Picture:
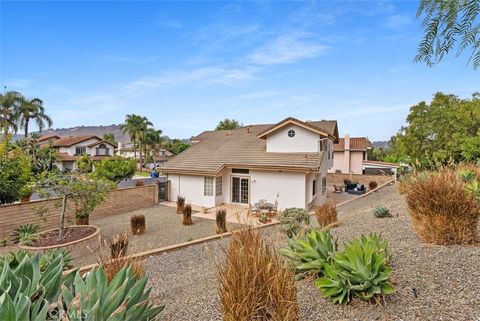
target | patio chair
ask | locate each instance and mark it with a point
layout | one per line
(338, 188)
(253, 210)
(274, 209)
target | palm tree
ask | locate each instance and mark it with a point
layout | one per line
(9, 103)
(32, 109)
(153, 141)
(136, 126)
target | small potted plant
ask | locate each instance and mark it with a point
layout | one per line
(265, 218)
(26, 192)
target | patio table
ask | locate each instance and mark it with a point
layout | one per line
(264, 206)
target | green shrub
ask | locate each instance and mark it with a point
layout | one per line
(15, 174)
(360, 270)
(380, 212)
(114, 169)
(467, 175)
(309, 252)
(25, 234)
(294, 221)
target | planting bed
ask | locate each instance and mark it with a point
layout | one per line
(50, 238)
(432, 282)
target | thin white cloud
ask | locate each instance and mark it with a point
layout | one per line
(398, 22)
(287, 48)
(18, 83)
(259, 95)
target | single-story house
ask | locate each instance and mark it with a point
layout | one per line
(71, 148)
(349, 154)
(285, 162)
(377, 167)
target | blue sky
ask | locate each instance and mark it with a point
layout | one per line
(187, 65)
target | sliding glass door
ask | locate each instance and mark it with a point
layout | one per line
(240, 192)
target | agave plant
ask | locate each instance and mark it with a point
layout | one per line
(309, 252)
(26, 293)
(381, 212)
(361, 270)
(124, 298)
(25, 234)
(14, 258)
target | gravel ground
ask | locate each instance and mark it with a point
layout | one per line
(445, 278)
(164, 227)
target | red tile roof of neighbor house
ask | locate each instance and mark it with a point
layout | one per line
(356, 143)
(48, 137)
(243, 147)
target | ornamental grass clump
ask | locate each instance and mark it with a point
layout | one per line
(118, 245)
(442, 207)
(221, 219)
(326, 214)
(294, 221)
(372, 185)
(137, 224)
(254, 283)
(187, 215)
(180, 204)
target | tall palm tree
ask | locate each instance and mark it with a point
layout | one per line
(153, 141)
(9, 103)
(32, 109)
(136, 126)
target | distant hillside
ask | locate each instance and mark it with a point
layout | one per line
(88, 130)
(381, 144)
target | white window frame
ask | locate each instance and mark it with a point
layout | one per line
(218, 186)
(208, 185)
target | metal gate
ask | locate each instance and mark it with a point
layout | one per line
(163, 191)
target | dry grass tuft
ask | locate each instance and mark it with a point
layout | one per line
(113, 266)
(118, 245)
(442, 211)
(137, 224)
(221, 219)
(326, 214)
(254, 283)
(372, 185)
(180, 204)
(187, 215)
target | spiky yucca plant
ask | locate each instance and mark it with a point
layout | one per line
(123, 298)
(360, 270)
(380, 212)
(309, 252)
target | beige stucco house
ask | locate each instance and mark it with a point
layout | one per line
(71, 148)
(285, 162)
(349, 155)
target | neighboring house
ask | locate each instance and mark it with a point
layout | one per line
(377, 167)
(126, 150)
(349, 154)
(71, 148)
(285, 162)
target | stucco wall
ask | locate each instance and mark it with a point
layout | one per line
(303, 141)
(354, 165)
(191, 187)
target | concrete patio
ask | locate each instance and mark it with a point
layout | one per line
(236, 214)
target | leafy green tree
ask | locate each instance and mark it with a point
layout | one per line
(228, 124)
(176, 146)
(84, 164)
(85, 192)
(15, 175)
(114, 169)
(32, 110)
(446, 130)
(153, 142)
(449, 25)
(109, 137)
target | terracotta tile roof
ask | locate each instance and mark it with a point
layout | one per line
(328, 127)
(237, 148)
(356, 143)
(102, 142)
(47, 137)
(72, 140)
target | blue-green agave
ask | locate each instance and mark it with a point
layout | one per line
(361, 270)
(309, 252)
